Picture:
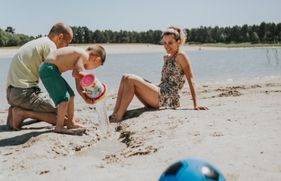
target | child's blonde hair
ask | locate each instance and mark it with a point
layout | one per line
(99, 51)
(178, 33)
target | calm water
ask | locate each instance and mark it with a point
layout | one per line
(208, 66)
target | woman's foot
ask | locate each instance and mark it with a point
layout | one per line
(114, 119)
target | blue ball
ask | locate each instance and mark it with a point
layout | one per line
(192, 170)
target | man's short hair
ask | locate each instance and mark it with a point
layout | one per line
(61, 28)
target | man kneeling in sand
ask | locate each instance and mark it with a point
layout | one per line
(24, 95)
(62, 60)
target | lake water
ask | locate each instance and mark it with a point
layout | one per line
(209, 65)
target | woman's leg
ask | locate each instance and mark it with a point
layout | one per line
(119, 95)
(133, 85)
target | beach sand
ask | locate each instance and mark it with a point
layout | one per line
(110, 48)
(117, 48)
(240, 134)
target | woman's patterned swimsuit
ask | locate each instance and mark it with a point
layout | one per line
(172, 81)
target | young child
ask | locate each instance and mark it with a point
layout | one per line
(62, 60)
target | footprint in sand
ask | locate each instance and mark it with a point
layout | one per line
(217, 134)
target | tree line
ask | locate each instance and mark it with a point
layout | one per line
(8, 37)
(263, 33)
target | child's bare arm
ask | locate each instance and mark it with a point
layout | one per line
(78, 67)
(82, 93)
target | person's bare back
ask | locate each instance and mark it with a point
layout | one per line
(68, 58)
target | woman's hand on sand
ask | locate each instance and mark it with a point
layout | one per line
(201, 108)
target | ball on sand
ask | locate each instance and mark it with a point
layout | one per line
(192, 170)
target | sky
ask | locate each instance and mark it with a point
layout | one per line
(36, 17)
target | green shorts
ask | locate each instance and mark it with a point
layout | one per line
(31, 99)
(57, 87)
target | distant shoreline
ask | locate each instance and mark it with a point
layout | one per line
(237, 45)
(7, 52)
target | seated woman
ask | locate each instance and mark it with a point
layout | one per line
(166, 94)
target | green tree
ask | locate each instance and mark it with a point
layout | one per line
(245, 36)
(10, 29)
(262, 31)
(278, 32)
(254, 37)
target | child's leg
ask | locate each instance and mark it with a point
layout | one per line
(62, 109)
(72, 120)
(70, 110)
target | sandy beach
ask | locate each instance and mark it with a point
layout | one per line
(117, 48)
(110, 48)
(240, 134)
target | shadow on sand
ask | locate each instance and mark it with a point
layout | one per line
(5, 128)
(21, 139)
(137, 112)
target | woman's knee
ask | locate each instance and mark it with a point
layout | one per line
(129, 78)
(125, 76)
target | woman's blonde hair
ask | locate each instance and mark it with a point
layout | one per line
(178, 33)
